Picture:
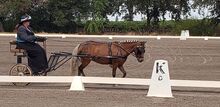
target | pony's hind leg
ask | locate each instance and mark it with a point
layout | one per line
(122, 70)
(85, 62)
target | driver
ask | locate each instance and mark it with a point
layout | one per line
(37, 59)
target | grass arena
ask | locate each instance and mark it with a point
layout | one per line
(191, 59)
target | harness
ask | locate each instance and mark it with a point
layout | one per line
(110, 51)
(110, 57)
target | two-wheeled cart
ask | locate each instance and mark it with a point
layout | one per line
(56, 60)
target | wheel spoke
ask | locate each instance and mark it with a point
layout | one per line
(24, 68)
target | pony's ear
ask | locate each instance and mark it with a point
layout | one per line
(143, 42)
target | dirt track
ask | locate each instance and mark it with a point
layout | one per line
(193, 59)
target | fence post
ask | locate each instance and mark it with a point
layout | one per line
(77, 84)
(184, 34)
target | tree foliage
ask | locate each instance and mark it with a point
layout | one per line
(71, 15)
(98, 16)
(212, 5)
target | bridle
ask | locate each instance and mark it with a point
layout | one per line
(132, 53)
(140, 48)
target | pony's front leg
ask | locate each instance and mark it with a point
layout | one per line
(80, 71)
(114, 68)
(123, 71)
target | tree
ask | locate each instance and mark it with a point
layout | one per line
(11, 11)
(113, 7)
(212, 5)
(119, 7)
(130, 6)
(178, 8)
(154, 9)
(98, 9)
(13, 8)
(98, 15)
(64, 14)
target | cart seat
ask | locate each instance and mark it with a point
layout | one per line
(14, 49)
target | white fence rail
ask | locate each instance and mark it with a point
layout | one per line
(106, 80)
(113, 36)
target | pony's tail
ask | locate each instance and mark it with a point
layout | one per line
(75, 61)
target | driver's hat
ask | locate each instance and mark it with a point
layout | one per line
(25, 18)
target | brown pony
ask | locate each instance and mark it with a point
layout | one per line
(113, 53)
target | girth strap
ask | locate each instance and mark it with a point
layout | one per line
(110, 51)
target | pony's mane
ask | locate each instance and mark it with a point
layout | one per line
(128, 41)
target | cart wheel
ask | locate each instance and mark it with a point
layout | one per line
(20, 70)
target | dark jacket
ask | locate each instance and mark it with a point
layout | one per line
(24, 35)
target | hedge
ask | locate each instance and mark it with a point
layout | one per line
(204, 27)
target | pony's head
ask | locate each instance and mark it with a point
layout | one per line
(139, 51)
